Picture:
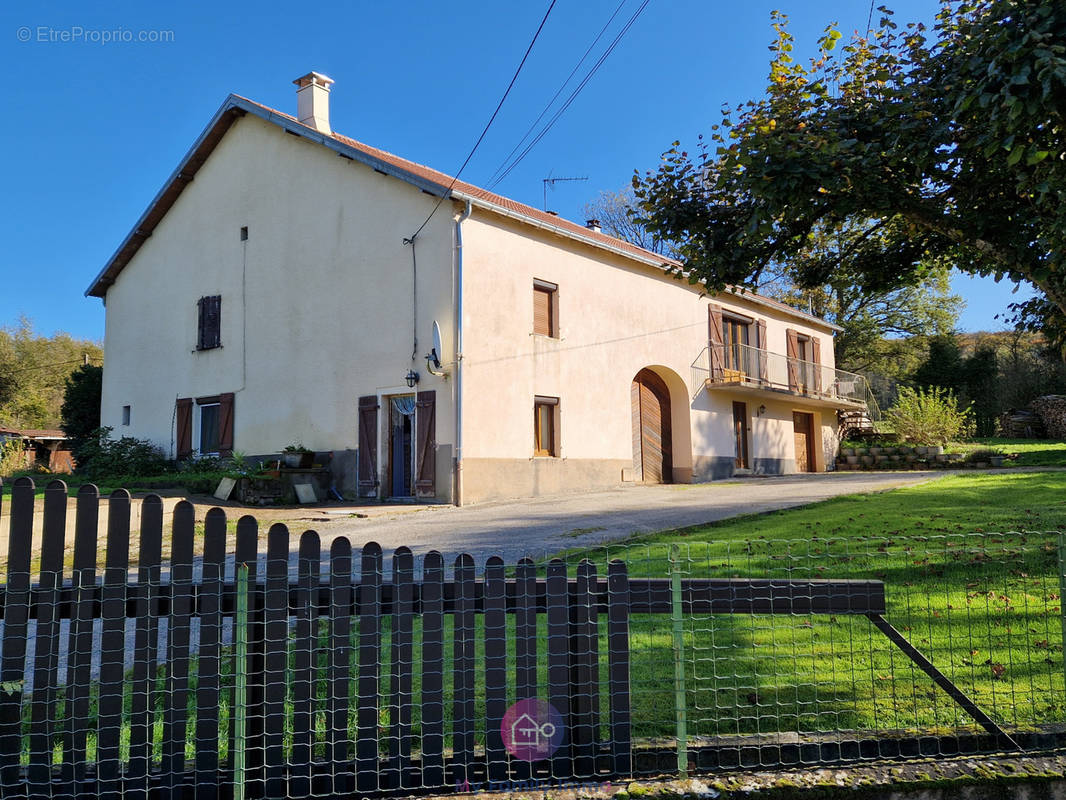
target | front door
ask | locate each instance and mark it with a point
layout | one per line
(740, 434)
(803, 425)
(401, 445)
(652, 457)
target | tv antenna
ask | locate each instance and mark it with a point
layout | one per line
(553, 181)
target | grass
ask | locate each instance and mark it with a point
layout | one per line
(1031, 452)
(984, 607)
(193, 482)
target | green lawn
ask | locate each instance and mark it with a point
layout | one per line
(1031, 452)
(982, 604)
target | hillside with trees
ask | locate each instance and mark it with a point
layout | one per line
(34, 370)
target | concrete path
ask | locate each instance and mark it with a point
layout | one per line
(546, 525)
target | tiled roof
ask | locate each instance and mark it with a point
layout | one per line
(445, 181)
(419, 174)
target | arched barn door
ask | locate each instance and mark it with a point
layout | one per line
(652, 457)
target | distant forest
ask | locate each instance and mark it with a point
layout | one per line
(34, 371)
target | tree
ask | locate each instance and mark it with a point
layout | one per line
(923, 307)
(80, 412)
(618, 215)
(948, 147)
(33, 373)
(906, 314)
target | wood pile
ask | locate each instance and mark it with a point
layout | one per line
(1051, 409)
(1021, 423)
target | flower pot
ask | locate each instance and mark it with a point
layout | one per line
(996, 461)
(292, 460)
(851, 460)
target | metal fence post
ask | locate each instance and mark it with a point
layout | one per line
(240, 681)
(1062, 595)
(680, 705)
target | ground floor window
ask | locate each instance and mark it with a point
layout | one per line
(209, 435)
(545, 426)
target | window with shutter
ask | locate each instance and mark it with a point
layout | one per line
(545, 427)
(544, 312)
(209, 322)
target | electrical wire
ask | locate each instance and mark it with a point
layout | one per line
(56, 364)
(555, 97)
(533, 41)
(573, 95)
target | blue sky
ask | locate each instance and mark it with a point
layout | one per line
(96, 126)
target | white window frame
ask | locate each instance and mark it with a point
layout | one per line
(197, 427)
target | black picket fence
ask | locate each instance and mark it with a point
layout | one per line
(353, 673)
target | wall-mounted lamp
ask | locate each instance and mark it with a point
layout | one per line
(412, 378)
(762, 410)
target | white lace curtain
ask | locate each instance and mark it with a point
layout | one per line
(404, 405)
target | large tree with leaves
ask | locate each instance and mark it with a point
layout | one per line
(946, 145)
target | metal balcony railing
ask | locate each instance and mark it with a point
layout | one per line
(743, 365)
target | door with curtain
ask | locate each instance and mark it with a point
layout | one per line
(401, 445)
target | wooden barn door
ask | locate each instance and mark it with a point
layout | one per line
(652, 457)
(803, 424)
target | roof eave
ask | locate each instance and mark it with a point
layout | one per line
(233, 107)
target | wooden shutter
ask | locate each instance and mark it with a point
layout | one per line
(225, 424)
(760, 344)
(426, 444)
(209, 322)
(184, 432)
(542, 311)
(792, 351)
(816, 357)
(368, 446)
(715, 341)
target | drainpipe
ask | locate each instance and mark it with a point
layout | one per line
(459, 352)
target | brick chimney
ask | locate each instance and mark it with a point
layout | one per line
(312, 101)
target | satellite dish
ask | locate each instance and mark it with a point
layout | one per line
(433, 356)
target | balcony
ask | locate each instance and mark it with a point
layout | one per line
(743, 369)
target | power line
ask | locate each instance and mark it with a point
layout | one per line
(81, 360)
(499, 105)
(573, 95)
(555, 97)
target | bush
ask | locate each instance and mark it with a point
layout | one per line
(101, 455)
(930, 416)
(12, 456)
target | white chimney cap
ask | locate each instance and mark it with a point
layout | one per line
(312, 101)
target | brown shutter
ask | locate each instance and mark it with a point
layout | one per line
(792, 351)
(542, 311)
(816, 357)
(214, 321)
(225, 424)
(201, 316)
(715, 341)
(368, 446)
(184, 433)
(760, 343)
(426, 444)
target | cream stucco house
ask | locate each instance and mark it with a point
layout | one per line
(274, 291)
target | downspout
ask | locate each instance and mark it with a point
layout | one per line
(459, 352)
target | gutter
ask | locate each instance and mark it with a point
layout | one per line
(465, 215)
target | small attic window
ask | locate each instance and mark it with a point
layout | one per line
(244, 233)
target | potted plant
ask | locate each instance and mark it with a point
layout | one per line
(296, 456)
